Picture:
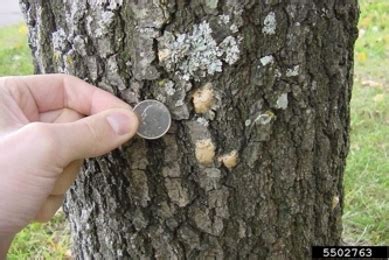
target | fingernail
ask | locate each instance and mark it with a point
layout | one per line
(120, 123)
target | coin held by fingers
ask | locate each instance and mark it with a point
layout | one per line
(155, 119)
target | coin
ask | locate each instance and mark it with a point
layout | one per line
(154, 117)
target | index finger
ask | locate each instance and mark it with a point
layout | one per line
(56, 91)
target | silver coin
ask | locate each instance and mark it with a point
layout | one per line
(154, 117)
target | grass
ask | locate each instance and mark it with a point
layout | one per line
(366, 213)
(43, 241)
(15, 56)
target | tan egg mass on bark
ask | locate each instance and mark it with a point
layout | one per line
(163, 54)
(205, 151)
(229, 160)
(203, 98)
(335, 201)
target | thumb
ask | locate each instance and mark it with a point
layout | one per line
(95, 135)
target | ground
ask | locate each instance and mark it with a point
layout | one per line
(366, 214)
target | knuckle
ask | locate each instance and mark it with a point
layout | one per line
(96, 136)
(43, 135)
(61, 76)
(93, 133)
(67, 79)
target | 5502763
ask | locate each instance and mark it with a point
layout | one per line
(350, 252)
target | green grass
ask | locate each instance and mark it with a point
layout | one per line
(15, 56)
(366, 214)
(43, 241)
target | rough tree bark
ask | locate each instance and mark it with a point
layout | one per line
(259, 91)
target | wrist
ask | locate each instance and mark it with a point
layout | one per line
(5, 243)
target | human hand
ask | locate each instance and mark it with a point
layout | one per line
(48, 125)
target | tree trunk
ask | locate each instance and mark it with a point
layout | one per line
(259, 92)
